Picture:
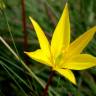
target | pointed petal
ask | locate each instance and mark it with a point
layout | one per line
(81, 42)
(44, 44)
(61, 36)
(81, 62)
(67, 74)
(39, 56)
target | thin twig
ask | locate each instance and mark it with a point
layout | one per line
(24, 25)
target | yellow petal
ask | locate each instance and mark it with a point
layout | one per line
(81, 42)
(61, 36)
(81, 62)
(67, 74)
(44, 44)
(39, 56)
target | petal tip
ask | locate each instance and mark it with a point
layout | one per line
(26, 52)
(93, 29)
(32, 20)
(75, 83)
(30, 17)
(66, 5)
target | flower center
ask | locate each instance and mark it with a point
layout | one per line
(62, 58)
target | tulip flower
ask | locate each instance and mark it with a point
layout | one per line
(62, 55)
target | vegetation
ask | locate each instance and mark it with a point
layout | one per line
(22, 76)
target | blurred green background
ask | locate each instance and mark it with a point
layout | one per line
(14, 80)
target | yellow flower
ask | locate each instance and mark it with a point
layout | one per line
(62, 55)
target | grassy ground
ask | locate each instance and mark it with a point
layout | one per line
(16, 79)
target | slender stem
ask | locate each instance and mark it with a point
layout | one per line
(24, 25)
(48, 83)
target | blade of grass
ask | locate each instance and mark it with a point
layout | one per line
(31, 73)
(11, 35)
(16, 75)
(13, 78)
(19, 59)
(12, 63)
(11, 50)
